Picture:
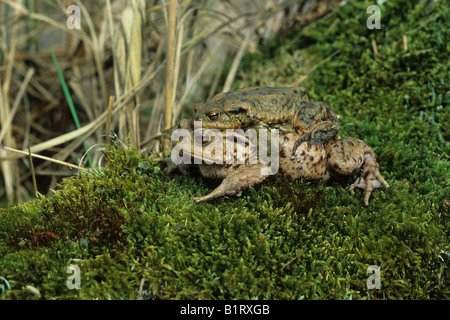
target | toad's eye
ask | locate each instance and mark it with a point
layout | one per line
(202, 137)
(213, 116)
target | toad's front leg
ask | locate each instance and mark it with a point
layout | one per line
(237, 181)
(346, 155)
(319, 135)
(316, 123)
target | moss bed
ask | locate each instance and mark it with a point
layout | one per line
(135, 232)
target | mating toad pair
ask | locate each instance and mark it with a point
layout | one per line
(307, 134)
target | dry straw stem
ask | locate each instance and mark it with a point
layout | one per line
(128, 57)
(7, 166)
(6, 114)
(35, 155)
(171, 48)
(11, 113)
(108, 119)
(32, 172)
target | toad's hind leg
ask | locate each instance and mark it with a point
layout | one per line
(347, 155)
(237, 181)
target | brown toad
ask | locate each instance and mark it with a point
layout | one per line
(232, 156)
(287, 109)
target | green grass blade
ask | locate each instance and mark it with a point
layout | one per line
(69, 100)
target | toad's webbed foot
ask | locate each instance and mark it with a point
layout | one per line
(172, 167)
(320, 136)
(305, 137)
(346, 155)
(316, 123)
(372, 180)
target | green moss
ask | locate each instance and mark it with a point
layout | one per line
(135, 232)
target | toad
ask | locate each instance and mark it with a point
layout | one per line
(287, 109)
(233, 157)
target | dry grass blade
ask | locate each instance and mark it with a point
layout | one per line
(7, 123)
(6, 115)
(25, 153)
(108, 119)
(240, 53)
(127, 62)
(7, 168)
(171, 48)
(32, 172)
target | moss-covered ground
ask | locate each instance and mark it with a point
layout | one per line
(135, 232)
